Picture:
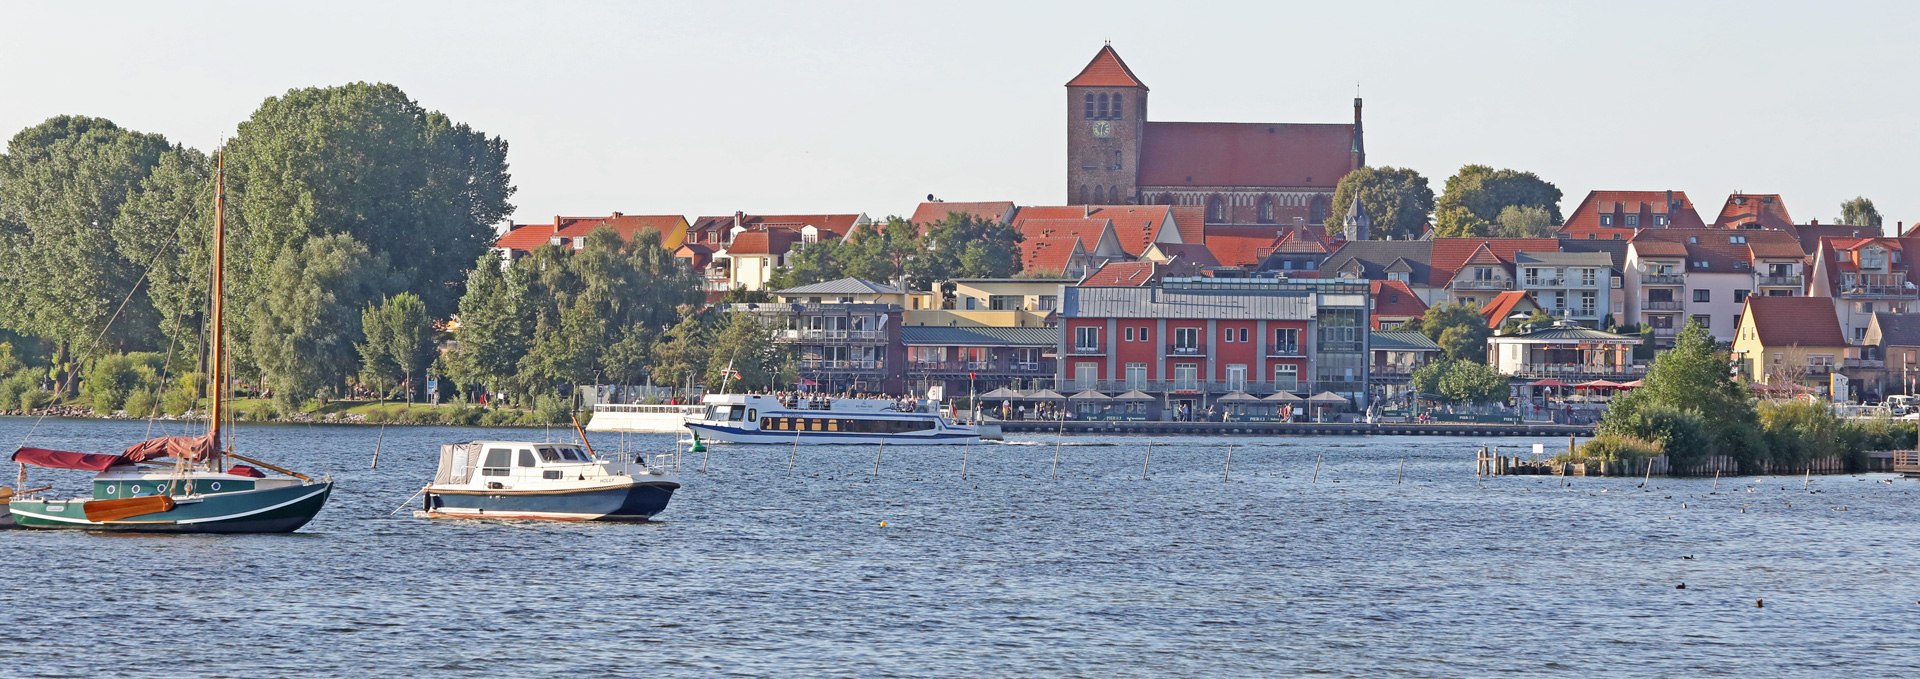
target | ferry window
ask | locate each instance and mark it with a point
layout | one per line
(498, 459)
(833, 425)
(526, 457)
(752, 414)
(766, 423)
(549, 455)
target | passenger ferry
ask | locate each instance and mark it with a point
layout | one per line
(757, 418)
(642, 419)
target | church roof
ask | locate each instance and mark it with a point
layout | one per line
(1106, 70)
(1246, 154)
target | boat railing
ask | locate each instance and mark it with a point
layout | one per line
(645, 408)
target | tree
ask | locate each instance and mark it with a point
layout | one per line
(682, 353)
(1860, 212)
(168, 223)
(1485, 192)
(959, 246)
(1398, 199)
(1459, 329)
(1470, 382)
(399, 342)
(495, 326)
(307, 318)
(364, 161)
(1693, 376)
(745, 342)
(1539, 318)
(1524, 221)
(813, 263)
(63, 275)
(1458, 222)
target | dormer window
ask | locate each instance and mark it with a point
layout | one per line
(1737, 240)
(1606, 220)
(1633, 220)
(1699, 264)
(1659, 220)
(1693, 239)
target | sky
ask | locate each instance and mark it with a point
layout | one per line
(700, 108)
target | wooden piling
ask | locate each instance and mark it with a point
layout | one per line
(963, 461)
(1148, 461)
(1226, 475)
(1316, 468)
(1403, 472)
(876, 458)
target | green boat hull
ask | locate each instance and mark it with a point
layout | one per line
(272, 510)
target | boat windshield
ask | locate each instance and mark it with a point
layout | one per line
(724, 413)
(562, 454)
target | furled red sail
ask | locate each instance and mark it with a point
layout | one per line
(60, 459)
(188, 448)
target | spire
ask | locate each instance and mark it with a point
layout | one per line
(1106, 70)
(1358, 222)
(1359, 149)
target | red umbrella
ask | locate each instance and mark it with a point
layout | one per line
(1636, 384)
(1549, 382)
(1598, 384)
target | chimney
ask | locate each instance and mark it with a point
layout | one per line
(1086, 211)
(617, 215)
(738, 217)
(1669, 207)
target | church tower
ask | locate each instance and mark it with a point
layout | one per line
(1106, 121)
(1358, 223)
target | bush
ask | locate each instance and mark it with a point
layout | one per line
(1620, 448)
(109, 382)
(1798, 431)
(1682, 434)
(466, 416)
(551, 410)
(12, 387)
(34, 398)
(500, 417)
(140, 404)
(183, 395)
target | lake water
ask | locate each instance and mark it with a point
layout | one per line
(1007, 573)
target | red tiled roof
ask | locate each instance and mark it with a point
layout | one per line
(1394, 298)
(1809, 235)
(525, 237)
(1087, 230)
(1795, 321)
(1137, 226)
(1124, 275)
(626, 226)
(1106, 70)
(1586, 218)
(1503, 305)
(934, 211)
(1716, 247)
(1048, 254)
(1449, 254)
(1246, 154)
(1192, 222)
(770, 242)
(1196, 254)
(1300, 241)
(1241, 245)
(838, 226)
(1753, 210)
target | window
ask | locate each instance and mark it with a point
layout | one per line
(1243, 334)
(1103, 105)
(1129, 333)
(1633, 220)
(1086, 339)
(1085, 374)
(1117, 115)
(1266, 210)
(1048, 302)
(1216, 209)
(1136, 375)
(526, 458)
(1589, 277)
(1186, 376)
(1704, 320)
(497, 462)
(1700, 264)
(1006, 302)
(1483, 273)
(1740, 296)
(1606, 220)
(1286, 342)
(1286, 378)
(1089, 112)
(1226, 334)
(1820, 363)
(1237, 377)
(1659, 220)
(1736, 240)
(1186, 340)
(1702, 295)
(1866, 307)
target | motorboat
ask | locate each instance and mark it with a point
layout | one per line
(552, 481)
(818, 420)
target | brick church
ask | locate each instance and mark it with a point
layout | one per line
(1243, 173)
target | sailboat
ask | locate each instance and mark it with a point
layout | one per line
(177, 484)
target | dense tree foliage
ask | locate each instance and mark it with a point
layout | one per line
(399, 344)
(1399, 200)
(1461, 382)
(65, 268)
(1860, 212)
(306, 317)
(744, 343)
(959, 246)
(1524, 221)
(1459, 329)
(1485, 192)
(1692, 379)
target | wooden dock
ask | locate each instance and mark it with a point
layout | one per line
(1291, 428)
(1489, 461)
(1906, 463)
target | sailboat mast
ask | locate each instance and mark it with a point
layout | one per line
(217, 373)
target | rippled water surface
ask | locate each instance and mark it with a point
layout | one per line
(1009, 572)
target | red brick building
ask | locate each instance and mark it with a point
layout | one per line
(1239, 173)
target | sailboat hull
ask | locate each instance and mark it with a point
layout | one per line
(273, 510)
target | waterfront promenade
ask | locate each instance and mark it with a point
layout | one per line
(1292, 428)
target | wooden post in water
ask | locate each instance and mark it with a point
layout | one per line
(376, 446)
(795, 453)
(1226, 475)
(1649, 478)
(876, 458)
(1316, 467)
(1716, 476)
(1403, 472)
(1808, 484)
(1148, 461)
(963, 461)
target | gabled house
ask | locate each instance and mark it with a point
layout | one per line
(1394, 304)
(571, 232)
(1754, 211)
(1862, 276)
(1406, 261)
(1476, 269)
(1573, 286)
(1892, 350)
(1135, 227)
(1789, 340)
(710, 247)
(1616, 215)
(1059, 256)
(1045, 246)
(1507, 306)
(1706, 275)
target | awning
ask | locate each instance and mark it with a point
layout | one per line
(1002, 393)
(1326, 397)
(1285, 396)
(1238, 397)
(1549, 382)
(1598, 384)
(60, 459)
(1636, 384)
(1135, 395)
(1091, 395)
(1045, 395)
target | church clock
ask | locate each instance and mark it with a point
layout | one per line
(1102, 128)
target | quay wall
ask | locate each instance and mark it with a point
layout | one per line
(1292, 428)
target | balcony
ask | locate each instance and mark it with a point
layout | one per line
(1178, 385)
(1187, 350)
(1660, 305)
(1578, 370)
(1778, 281)
(1880, 292)
(1085, 350)
(1339, 345)
(863, 365)
(1480, 285)
(1666, 333)
(1285, 351)
(1662, 279)
(834, 336)
(995, 367)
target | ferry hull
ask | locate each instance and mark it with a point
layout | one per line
(638, 501)
(713, 432)
(274, 510)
